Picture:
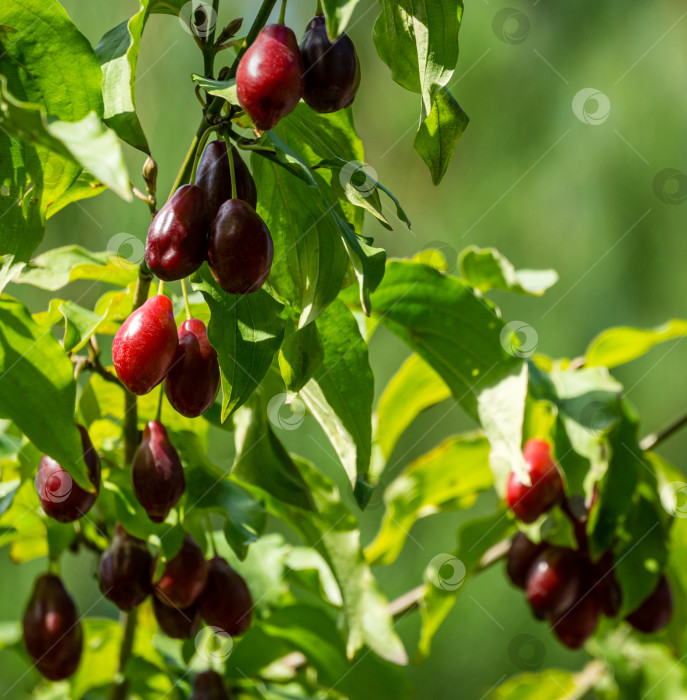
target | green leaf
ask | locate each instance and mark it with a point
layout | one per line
(118, 54)
(552, 684)
(246, 331)
(102, 639)
(37, 388)
(84, 187)
(441, 319)
(412, 390)
(226, 89)
(616, 346)
(360, 188)
(418, 40)
(86, 142)
(340, 394)
(501, 408)
(301, 354)
(56, 268)
(642, 552)
(333, 531)
(310, 260)
(449, 477)
(338, 14)
(474, 539)
(486, 269)
(436, 138)
(79, 324)
(208, 489)
(263, 462)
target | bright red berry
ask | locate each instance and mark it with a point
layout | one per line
(546, 489)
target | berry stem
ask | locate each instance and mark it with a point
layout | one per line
(211, 534)
(161, 287)
(282, 12)
(121, 684)
(319, 10)
(200, 147)
(232, 170)
(158, 414)
(187, 306)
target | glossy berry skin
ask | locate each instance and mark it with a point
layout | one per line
(184, 576)
(145, 345)
(576, 625)
(193, 382)
(521, 556)
(177, 623)
(546, 489)
(269, 80)
(553, 582)
(605, 585)
(177, 238)
(124, 571)
(52, 631)
(240, 249)
(157, 474)
(226, 602)
(656, 611)
(332, 70)
(209, 686)
(61, 497)
(214, 178)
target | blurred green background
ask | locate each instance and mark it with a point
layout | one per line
(529, 177)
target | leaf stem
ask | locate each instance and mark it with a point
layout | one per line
(282, 12)
(211, 534)
(121, 684)
(187, 306)
(654, 439)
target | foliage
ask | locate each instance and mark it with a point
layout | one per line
(63, 115)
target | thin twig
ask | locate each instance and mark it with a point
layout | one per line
(654, 439)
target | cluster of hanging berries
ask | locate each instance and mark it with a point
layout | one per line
(213, 220)
(190, 590)
(565, 586)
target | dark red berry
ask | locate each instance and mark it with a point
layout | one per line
(574, 626)
(656, 611)
(240, 250)
(553, 582)
(332, 70)
(269, 80)
(157, 473)
(177, 623)
(52, 630)
(209, 686)
(546, 489)
(184, 576)
(214, 177)
(193, 382)
(177, 238)
(61, 497)
(226, 602)
(144, 347)
(521, 556)
(606, 586)
(125, 570)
